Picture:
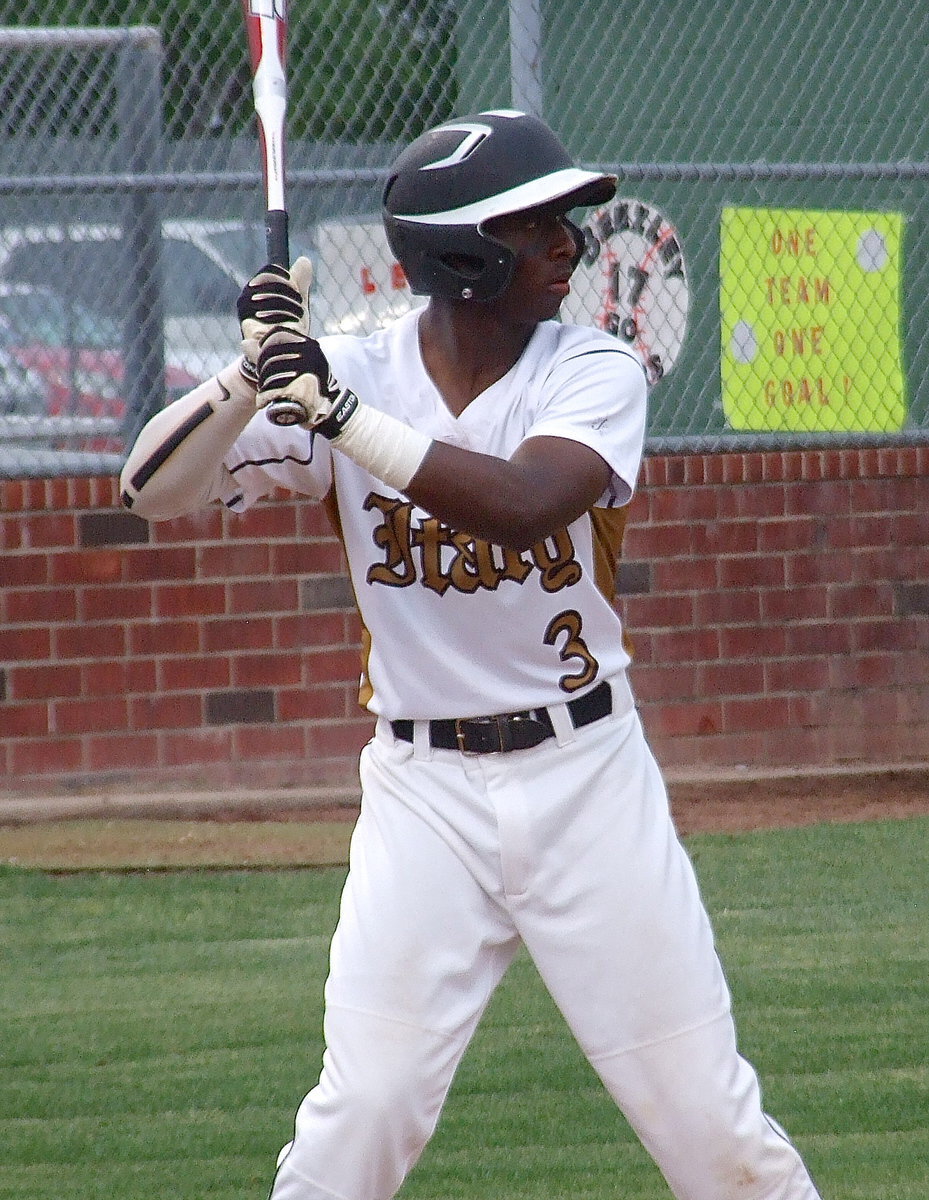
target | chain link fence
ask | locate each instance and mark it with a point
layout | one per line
(767, 250)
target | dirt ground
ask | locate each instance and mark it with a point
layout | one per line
(113, 830)
(735, 804)
(731, 804)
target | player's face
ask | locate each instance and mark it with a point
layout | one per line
(544, 249)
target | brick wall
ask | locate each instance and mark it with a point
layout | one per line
(778, 603)
(779, 606)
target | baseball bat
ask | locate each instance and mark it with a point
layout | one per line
(266, 26)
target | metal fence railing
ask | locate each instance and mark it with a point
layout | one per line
(767, 250)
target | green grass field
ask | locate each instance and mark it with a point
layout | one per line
(159, 1030)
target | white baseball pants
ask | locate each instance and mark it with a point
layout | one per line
(568, 848)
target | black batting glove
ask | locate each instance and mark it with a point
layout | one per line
(292, 366)
(274, 297)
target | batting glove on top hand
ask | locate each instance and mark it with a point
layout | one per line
(294, 371)
(274, 297)
(292, 365)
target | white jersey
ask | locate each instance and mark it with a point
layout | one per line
(429, 595)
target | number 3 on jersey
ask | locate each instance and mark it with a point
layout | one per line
(569, 625)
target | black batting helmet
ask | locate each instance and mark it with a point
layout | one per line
(449, 182)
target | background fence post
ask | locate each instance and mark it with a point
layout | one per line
(526, 56)
(139, 106)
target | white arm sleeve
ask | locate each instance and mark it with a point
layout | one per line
(176, 465)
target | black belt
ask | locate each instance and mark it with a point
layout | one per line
(508, 731)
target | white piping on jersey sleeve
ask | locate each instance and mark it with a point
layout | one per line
(596, 393)
(267, 456)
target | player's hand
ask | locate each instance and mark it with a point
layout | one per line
(274, 297)
(293, 369)
(292, 365)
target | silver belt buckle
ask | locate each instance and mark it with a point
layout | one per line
(498, 723)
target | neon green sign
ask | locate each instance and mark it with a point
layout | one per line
(810, 317)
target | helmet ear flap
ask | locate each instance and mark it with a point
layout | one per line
(580, 242)
(456, 262)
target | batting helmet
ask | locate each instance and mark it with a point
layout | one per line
(448, 183)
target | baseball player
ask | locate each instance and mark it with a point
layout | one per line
(476, 459)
